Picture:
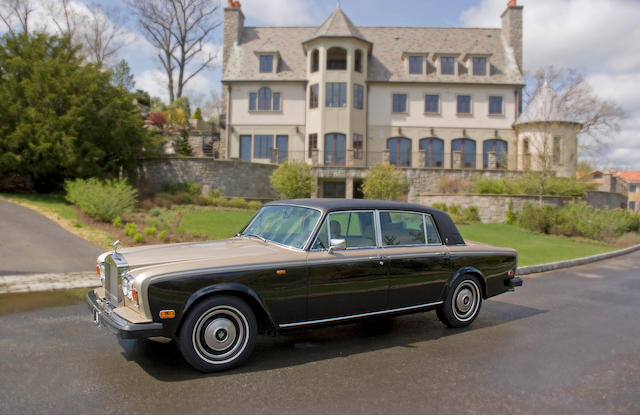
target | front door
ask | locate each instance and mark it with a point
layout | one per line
(245, 148)
(282, 144)
(350, 281)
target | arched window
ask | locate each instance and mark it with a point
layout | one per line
(264, 99)
(463, 153)
(433, 151)
(399, 151)
(494, 154)
(337, 59)
(315, 60)
(358, 61)
(334, 149)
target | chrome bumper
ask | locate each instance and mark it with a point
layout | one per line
(104, 316)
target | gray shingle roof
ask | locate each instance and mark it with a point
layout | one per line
(386, 61)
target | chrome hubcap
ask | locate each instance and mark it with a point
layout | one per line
(220, 334)
(466, 300)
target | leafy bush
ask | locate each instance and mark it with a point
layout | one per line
(214, 193)
(512, 215)
(459, 215)
(163, 235)
(440, 206)
(384, 182)
(293, 179)
(197, 115)
(254, 205)
(529, 184)
(130, 229)
(157, 119)
(138, 238)
(154, 212)
(102, 200)
(238, 202)
(455, 185)
(181, 187)
(117, 222)
(151, 230)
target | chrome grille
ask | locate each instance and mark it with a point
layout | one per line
(113, 270)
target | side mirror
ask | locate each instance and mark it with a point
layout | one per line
(337, 244)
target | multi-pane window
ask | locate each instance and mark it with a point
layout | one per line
(337, 59)
(313, 144)
(479, 66)
(447, 65)
(313, 96)
(358, 61)
(334, 149)
(632, 206)
(431, 103)
(495, 154)
(399, 151)
(282, 144)
(433, 152)
(357, 146)
(465, 149)
(633, 188)
(276, 101)
(264, 100)
(415, 64)
(495, 105)
(557, 149)
(464, 104)
(315, 60)
(253, 97)
(358, 94)
(266, 63)
(399, 102)
(336, 93)
(262, 145)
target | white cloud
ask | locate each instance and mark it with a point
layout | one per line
(281, 12)
(154, 81)
(599, 38)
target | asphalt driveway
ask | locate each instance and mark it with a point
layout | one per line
(30, 243)
(568, 341)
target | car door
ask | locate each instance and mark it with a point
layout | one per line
(349, 281)
(419, 264)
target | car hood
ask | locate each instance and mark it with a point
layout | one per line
(184, 257)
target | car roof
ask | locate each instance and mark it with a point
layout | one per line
(328, 205)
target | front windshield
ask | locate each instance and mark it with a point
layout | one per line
(286, 225)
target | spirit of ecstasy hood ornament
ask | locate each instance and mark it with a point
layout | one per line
(115, 247)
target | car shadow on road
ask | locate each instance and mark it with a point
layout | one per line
(164, 362)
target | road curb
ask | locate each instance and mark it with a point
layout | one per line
(25, 283)
(534, 269)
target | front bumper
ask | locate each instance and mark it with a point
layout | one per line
(103, 315)
(514, 282)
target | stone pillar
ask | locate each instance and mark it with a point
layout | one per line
(314, 157)
(348, 189)
(492, 160)
(385, 157)
(275, 152)
(457, 160)
(422, 155)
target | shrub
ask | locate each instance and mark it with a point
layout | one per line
(138, 238)
(154, 212)
(181, 187)
(157, 119)
(130, 229)
(254, 205)
(293, 179)
(440, 206)
(183, 148)
(117, 222)
(163, 235)
(384, 182)
(197, 115)
(512, 215)
(237, 202)
(455, 185)
(215, 193)
(458, 214)
(151, 230)
(102, 200)
(529, 184)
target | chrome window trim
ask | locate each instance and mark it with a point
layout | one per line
(373, 313)
(423, 224)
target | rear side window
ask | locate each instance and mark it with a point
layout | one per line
(356, 228)
(402, 228)
(432, 232)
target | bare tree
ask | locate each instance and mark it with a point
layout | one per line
(15, 15)
(563, 114)
(179, 30)
(102, 37)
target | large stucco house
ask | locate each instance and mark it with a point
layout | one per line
(343, 98)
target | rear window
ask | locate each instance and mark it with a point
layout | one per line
(405, 228)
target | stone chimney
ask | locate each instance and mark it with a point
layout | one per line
(512, 30)
(233, 24)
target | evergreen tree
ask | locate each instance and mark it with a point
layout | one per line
(122, 77)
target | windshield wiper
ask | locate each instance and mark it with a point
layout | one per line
(253, 235)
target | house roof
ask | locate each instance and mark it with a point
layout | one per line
(544, 107)
(390, 45)
(630, 176)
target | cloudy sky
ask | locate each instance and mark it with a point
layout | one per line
(599, 38)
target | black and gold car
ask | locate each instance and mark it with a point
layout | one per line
(298, 264)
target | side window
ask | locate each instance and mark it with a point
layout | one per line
(432, 231)
(401, 228)
(357, 228)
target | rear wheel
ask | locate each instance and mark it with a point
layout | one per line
(463, 302)
(218, 334)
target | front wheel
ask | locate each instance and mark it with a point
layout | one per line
(463, 301)
(218, 334)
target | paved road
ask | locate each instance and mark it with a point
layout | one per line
(30, 243)
(566, 342)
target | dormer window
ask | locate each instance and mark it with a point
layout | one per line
(479, 66)
(415, 65)
(337, 59)
(447, 65)
(266, 63)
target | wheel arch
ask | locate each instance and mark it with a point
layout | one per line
(246, 294)
(471, 271)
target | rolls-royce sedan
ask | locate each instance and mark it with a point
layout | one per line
(298, 264)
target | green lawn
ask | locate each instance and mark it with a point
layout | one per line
(215, 224)
(52, 202)
(533, 248)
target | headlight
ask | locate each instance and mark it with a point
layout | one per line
(101, 272)
(127, 286)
